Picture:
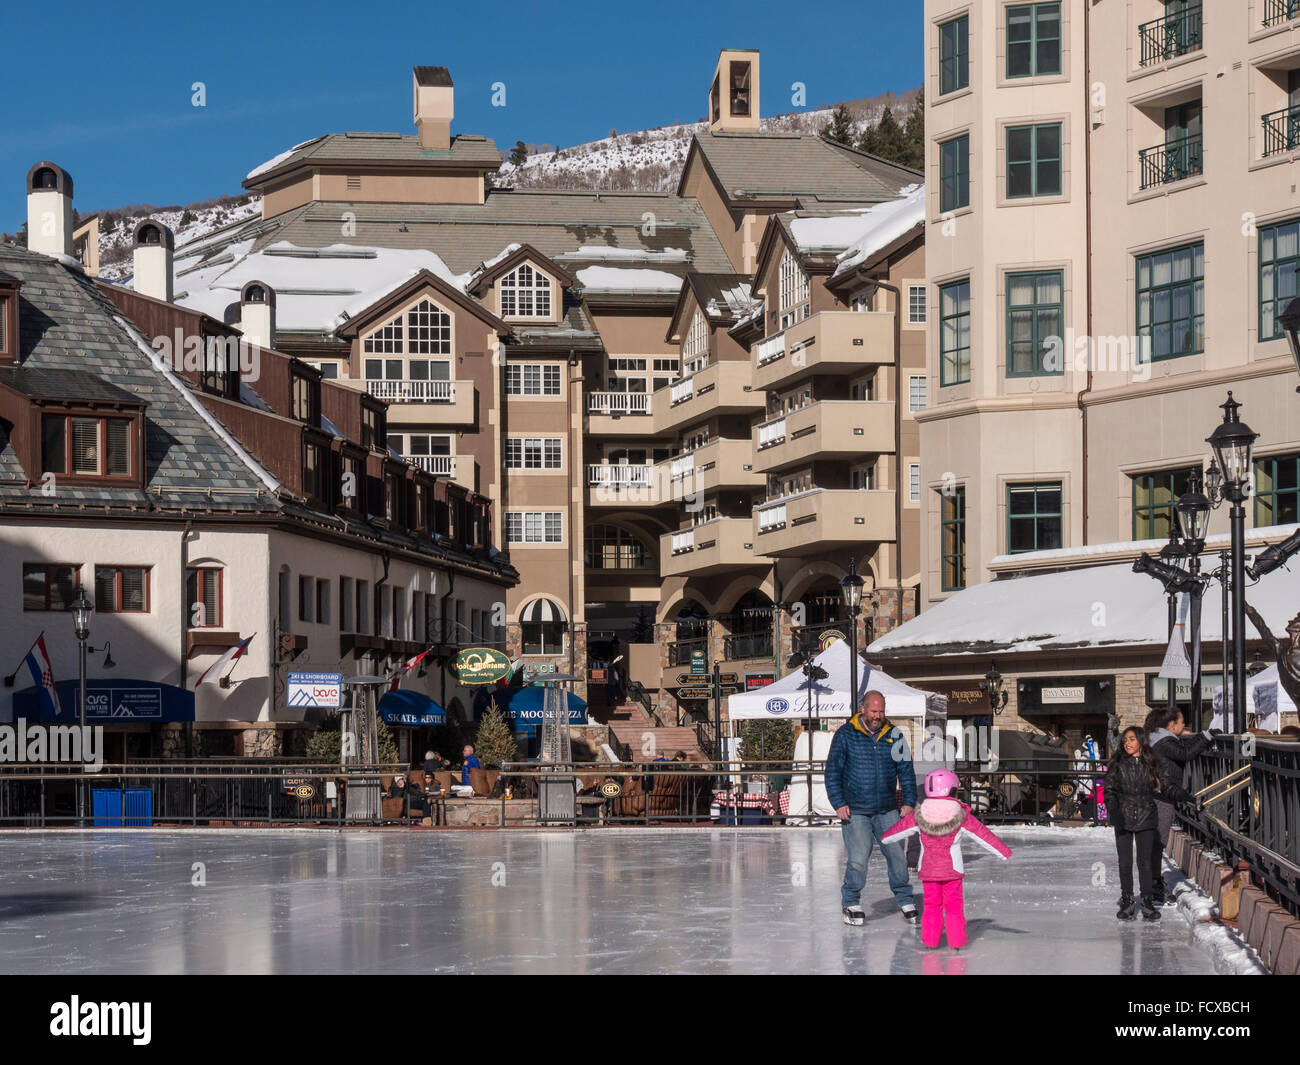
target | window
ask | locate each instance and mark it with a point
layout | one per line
(1033, 161)
(1171, 301)
(428, 330)
(306, 596)
(1277, 490)
(50, 587)
(793, 291)
(533, 452)
(916, 305)
(954, 333)
(328, 370)
(386, 340)
(363, 612)
(1154, 496)
(313, 471)
(914, 482)
(86, 446)
(1279, 262)
(609, 547)
(954, 55)
(542, 625)
(1033, 40)
(122, 589)
(534, 527)
(1033, 517)
(916, 387)
(373, 426)
(525, 293)
(863, 478)
(203, 597)
(954, 173)
(696, 350)
(400, 616)
(1035, 304)
(306, 399)
(7, 347)
(532, 379)
(952, 538)
(347, 605)
(322, 602)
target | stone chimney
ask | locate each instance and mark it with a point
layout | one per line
(257, 314)
(434, 107)
(733, 95)
(49, 209)
(154, 245)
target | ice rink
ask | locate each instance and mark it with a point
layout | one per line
(595, 901)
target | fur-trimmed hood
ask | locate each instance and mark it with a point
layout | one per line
(938, 817)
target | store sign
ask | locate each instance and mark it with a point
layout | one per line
(758, 680)
(321, 691)
(481, 665)
(1073, 693)
(698, 665)
(611, 789)
(828, 637)
(1158, 689)
(1065, 696)
(963, 699)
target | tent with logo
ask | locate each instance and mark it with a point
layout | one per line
(1265, 697)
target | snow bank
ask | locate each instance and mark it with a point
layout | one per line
(614, 279)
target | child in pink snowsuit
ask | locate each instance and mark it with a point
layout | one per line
(942, 821)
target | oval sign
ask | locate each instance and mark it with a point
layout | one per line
(776, 705)
(304, 791)
(481, 665)
(611, 789)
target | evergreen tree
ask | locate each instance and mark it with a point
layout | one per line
(840, 128)
(495, 743)
(889, 138)
(914, 135)
(519, 154)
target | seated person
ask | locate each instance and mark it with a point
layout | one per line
(401, 788)
(434, 763)
(470, 762)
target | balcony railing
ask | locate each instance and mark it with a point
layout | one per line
(772, 517)
(413, 391)
(682, 467)
(682, 391)
(1171, 36)
(683, 541)
(1279, 11)
(747, 645)
(1172, 161)
(1282, 130)
(772, 347)
(618, 403)
(770, 433)
(442, 465)
(619, 476)
(679, 653)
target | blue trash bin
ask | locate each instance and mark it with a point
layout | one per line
(113, 807)
(106, 807)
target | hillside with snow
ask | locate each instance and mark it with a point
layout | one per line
(189, 224)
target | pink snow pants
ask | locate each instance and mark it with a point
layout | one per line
(944, 908)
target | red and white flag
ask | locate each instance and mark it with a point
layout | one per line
(238, 651)
(406, 667)
(38, 662)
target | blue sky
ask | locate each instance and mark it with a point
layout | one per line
(117, 111)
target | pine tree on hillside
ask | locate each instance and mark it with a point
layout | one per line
(889, 138)
(914, 135)
(840, 128)
(519, 154)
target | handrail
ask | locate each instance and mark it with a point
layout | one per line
(1279, 11)
(1170, 36)
(1175, 160)
(1281, 130)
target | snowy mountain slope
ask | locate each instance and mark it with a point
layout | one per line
(115, 245)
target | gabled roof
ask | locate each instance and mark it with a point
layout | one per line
(387, 303)
(389, 149)
(724, 298)
(521, 254)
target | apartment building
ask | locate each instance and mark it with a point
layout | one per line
(1111, 231)
(588, 361)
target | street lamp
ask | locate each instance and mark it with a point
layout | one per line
(1233, 442)
(1289, 320)
(851, 588)
(81, 609)
(992, 686)
(1193, 509)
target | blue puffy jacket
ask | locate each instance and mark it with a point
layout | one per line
(862, 770)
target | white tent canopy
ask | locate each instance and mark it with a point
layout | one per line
(1265, 696)
(790, 697)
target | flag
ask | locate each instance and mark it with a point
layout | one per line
(238, 651)
(38, 661)
(406, 668)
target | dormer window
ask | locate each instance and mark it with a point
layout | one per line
(374, 429)
(793, 284)
(87, 446)
(306, 399)
(525, 293)
(696, 348)
(313, 473)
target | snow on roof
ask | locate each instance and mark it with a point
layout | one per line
(737, 299)
(1134, 547)
(601, 251)
(614, 279)
(860, 232)
(1091, 607)
(276, 160)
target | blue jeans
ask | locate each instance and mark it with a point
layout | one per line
(861, 832)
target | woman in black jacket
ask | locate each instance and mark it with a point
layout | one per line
(1173, 749)
(1132, 783)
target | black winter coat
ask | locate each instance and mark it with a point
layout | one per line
(1172, 755)
(1130, 802)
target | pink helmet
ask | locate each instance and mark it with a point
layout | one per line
(940, 783)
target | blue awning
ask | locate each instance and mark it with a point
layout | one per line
(523, 706)
(110, 702)
(404, 707)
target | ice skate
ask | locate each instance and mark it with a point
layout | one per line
(854, 915)
(1126, 908)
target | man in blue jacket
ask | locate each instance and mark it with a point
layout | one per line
(868, 758)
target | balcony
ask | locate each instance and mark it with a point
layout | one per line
(1277, 12)
(812, 522)
(679, 653)
(421, 402)
(1167, 38)
(413, 391)
(439, 465)
(711, 547)
(1281, 130)
(718, 464)
(830, 342)
(619, 413)
(1175, 160)
(826, 429)
(723, 388)
(741, 646)
(614, 484)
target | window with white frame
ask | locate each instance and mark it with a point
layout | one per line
(386, 340)
(696, 350)
(428, 330)
(425, 329)
(793, 291)
(533, 453)
(916, 305)
(914, 482)
(916, 392)
(525, 293)
(534, 527)
(532, 379)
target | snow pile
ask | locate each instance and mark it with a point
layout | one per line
(1231, 955)
(601, 252)
(614, 279)
(860, 233)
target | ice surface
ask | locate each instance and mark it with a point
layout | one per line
(595, 901)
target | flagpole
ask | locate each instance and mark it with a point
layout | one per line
(23, 659)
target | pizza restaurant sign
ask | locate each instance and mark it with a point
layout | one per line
(481, 665)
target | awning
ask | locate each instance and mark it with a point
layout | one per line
(523, 706)
(111, 702)
(541, 611)
(404, 707)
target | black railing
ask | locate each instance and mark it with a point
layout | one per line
(1281, 131)
(1175, 160)
(747, 645)
(1171, 36)
(1279, 11)
(679, 653)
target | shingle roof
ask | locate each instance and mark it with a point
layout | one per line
(438, 76)
(801, 166)
(362, 147)
(43, 383)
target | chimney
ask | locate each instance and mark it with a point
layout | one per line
(434, 107)
(257, 314)
(733, 95)
(153, 245)
(49, 209)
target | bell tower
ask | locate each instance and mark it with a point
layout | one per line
(733, 96)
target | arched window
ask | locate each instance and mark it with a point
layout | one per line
(45, 178)
(793, 291)
(525, 293)
(428, 330)
(543, 626)
(153, 235)
(750, 623)
(696, 350)
(253, 294)
(609, 547)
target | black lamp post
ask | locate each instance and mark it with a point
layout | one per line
(1233, 442)
(1289, 320)
(851, 587)
(1193, 509)
(81, 609)
(992, 686)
